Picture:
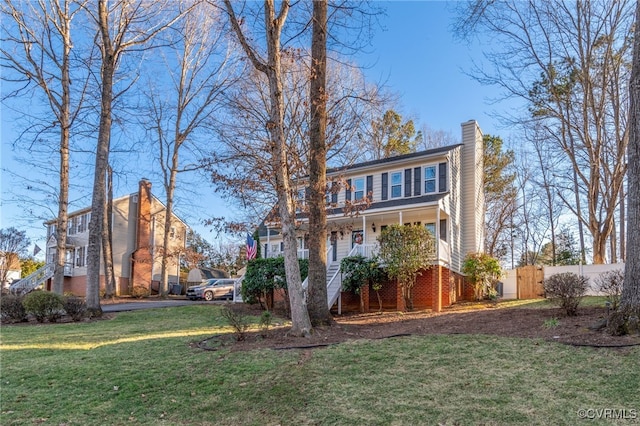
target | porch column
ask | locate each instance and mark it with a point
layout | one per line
(266, 249)
(437, 236)
(364, 229)
(400, 214)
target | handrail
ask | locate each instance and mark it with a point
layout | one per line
(33, 280)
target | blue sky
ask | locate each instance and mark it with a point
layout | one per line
(415, 55)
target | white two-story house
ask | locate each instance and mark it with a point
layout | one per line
(441, 189)
(137, 222)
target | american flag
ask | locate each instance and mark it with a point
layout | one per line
(252, 248)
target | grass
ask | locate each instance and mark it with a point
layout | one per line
(140, 369)
(587, 301)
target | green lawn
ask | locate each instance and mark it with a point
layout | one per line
(139, 369)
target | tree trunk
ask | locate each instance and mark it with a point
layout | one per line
(300, 322)
(318, 310)
(102, 161)
(65, 123)
(170, 189)
(626, 318)
(107, 240)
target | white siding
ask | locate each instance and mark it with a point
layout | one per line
(472, 191)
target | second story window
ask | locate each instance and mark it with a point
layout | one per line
(396, 185)
(72, 225)
(429, 179)
(300, 199)
(358, 189)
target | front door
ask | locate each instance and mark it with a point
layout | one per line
(334, 246)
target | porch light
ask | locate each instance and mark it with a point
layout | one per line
(373, 227)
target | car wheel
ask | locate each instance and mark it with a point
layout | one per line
(208, 296)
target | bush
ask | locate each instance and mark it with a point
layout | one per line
(265, 322)
(263, 276)
(12, 309)
(567, 290)
(44, 305)
(238, 321)
(140, 292)
(610, 284)
(75, 307)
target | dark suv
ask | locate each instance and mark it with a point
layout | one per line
(214, 288)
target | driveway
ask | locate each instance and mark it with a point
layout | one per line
(134, 305)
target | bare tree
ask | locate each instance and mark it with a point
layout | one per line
(271, 66)
(38, 49)
(126, 26)
(13, 244)
(569, 61)
(201, 66)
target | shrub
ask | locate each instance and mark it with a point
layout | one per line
(263, 276)
(265, 322)
(482, 270)
(12, 309)
(75, 307)
(238, 321)
(359, 271)
(567, 290)
(44, 305)
(140, 292)
(610, 284)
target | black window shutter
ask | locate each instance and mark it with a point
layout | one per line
(442, 177)
(417, 182)
(407, 182)
(370, 187)
(334, 194)
(385, 186)
(443, 229)
(347, 194)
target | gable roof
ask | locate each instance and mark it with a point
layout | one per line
(398, 158)
(116, 200)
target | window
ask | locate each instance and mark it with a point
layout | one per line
(52, 230)
(396, 185)
(443, 229)
(431, 227)
(83, 222)
(72, 225)
(358, 189)
(51, 255)
(429, 179)
(81, 256)
(172, 232)
(300, 199)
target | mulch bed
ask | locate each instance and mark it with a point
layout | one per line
(460, 319)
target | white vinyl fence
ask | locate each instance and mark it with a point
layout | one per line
(510, 280)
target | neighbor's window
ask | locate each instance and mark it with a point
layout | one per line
(358, 189)
(81, 256)
(429, 179)
(396, 185)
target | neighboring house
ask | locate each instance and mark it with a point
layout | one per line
(138, 232)
(10, 270)
(441, 189)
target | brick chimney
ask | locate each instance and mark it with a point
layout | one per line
(142, 259)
